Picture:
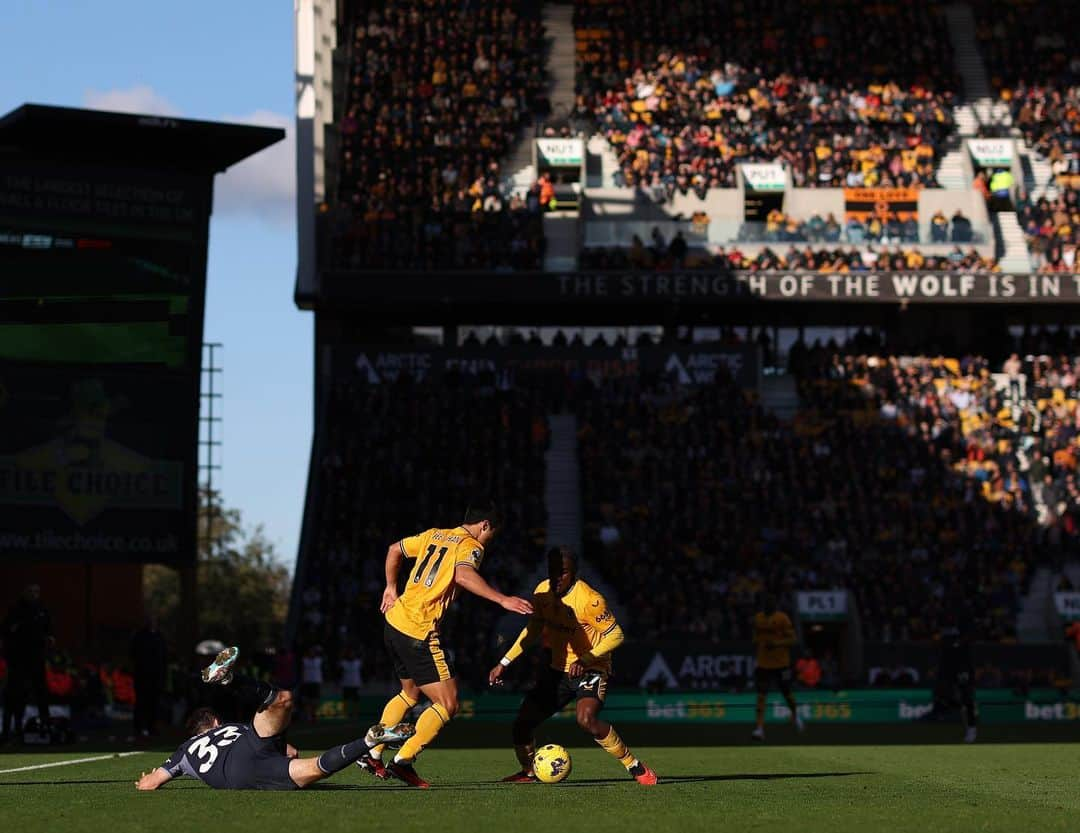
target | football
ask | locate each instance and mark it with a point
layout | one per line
(551, 763)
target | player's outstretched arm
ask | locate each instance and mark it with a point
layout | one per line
(528, 637)
(153, 779)
(467, 578)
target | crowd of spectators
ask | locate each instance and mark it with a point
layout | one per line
(844, 94)
(399, 458)
(919, 483)
(1026, 50)
(436, 94)
(916, 483)
(656, 257)
(891, 227)
(1052, 227)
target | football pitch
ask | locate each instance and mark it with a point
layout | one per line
(801, 789)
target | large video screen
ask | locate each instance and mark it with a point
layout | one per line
(101, 298)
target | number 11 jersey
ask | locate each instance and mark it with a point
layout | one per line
(430, 587)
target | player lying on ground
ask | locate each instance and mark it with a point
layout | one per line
(445, 560)
(582, 633)
(255, 756)
(774, 636)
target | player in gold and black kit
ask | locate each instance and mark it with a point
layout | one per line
(581, 633)
(774, 637)
(443, 561)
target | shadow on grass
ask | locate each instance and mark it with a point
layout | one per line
(581, 782)
(664, 779)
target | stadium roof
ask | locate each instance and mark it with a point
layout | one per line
(138, 140)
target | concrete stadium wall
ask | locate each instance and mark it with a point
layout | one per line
(803, 203)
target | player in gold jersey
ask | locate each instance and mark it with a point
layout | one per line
(774, 637)
(581, 633)
(444, 560)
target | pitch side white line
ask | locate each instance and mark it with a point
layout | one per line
(69, 763)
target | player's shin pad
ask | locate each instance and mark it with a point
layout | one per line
(393, 713)
(614, 746)
(427, 727)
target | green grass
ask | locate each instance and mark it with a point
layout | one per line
(796, 789)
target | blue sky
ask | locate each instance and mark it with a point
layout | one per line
(207, 59)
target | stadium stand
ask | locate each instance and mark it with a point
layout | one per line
(904, 479)
(845, 94)
(1026, 52)
(437, 94)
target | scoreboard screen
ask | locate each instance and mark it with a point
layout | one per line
(101, 300)
(98, 300)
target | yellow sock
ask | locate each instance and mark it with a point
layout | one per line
(615, 747)
(427, 727)
(392, 714)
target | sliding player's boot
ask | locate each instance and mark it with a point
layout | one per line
(379, 735)
(219, 672)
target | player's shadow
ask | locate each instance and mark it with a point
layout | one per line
(732, 776)
(664, 779)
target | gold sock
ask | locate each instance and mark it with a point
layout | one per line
(427, 727)
(615, 747)
(392, 714)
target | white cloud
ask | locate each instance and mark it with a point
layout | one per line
(137, 99)
(263, 185)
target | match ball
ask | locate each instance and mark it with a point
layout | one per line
(551, 763)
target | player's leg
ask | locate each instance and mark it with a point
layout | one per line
(306, 771)
(966, 684)
(274, 718)
(539, 704)
(444, 705)
(13, 702)
(396, 708)
(399, 648)
(761, 682)
(590, 693)
(784, 676)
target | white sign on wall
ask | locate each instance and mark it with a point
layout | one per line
(763, 176)
(991, 153)
(560, 153)
(1068, 606)
(822, 605)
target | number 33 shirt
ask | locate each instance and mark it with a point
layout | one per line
(430, 587)
(229, 757)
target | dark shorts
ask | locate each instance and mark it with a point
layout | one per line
(273, 774)
(260, 765)
(766, 678)
(419, 660)
(556, 689)
(310, 691)
(350, 694)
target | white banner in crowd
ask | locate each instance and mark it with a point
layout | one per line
(1068, 606)
(991, 153)
(763, 176)
(819, 605)
(560, 153)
